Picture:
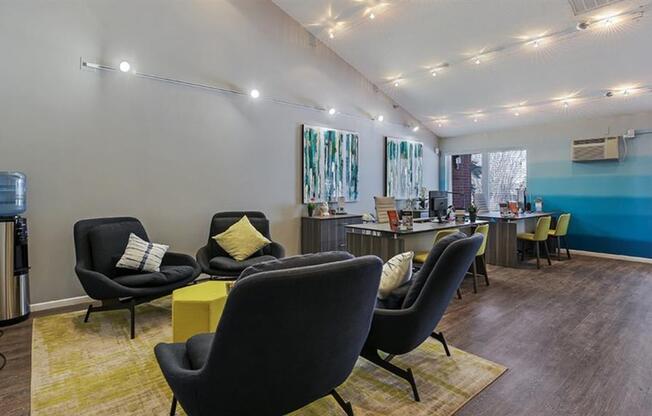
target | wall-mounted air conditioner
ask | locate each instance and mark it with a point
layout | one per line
(589, 150)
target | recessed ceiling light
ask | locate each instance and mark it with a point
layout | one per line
(332, 111)
(415, 129)
(372, 16)
(254, 93)
(516, 113)
(565, 104)
(477, 60)
(381, 118)
(434, 73)
(397, 83)
(583, 25)
(331, 34)
(125, 66)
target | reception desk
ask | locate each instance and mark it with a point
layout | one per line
(502, 244)
(380, 240)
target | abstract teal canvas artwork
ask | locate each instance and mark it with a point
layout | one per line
(403, 168)
(330, 164)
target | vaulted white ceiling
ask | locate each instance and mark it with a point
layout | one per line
(517, 82)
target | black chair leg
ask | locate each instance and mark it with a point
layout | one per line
(558, 249)
(475, 275)
(538, 254)
(459, 293)
(371, 354)
(439, 336)
(346, 406)
(566, 245)
(484, 268)
(88, 313)
(173, 408)
(132, 311)
(545, 246)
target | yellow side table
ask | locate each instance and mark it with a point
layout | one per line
(197, 309)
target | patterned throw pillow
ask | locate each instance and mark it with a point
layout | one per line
(396, 271)
(142, 255)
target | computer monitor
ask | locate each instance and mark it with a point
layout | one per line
(438, 204)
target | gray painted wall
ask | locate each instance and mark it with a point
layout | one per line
(103, 144)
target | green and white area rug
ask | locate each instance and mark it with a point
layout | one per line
(95, 369)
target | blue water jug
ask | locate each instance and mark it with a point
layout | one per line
(13, 194)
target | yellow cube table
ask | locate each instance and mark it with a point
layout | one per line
(197, 309)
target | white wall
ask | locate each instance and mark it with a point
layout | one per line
(104, 144)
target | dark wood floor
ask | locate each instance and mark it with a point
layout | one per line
(576, 336)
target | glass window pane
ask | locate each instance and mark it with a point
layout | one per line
(507, 175)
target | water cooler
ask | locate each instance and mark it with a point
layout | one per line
(14, 264)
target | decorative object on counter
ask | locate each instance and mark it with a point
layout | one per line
(513, 207)
(408, 220)
(330, 164)
(538, 204)
(311, 207)
(473, 212)
(367, 217)
(392, 217)
(460, 216)
(323, 210)
(341, 203)
(403, 168)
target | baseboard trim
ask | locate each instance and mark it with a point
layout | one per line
(612, 256)
(54, 304)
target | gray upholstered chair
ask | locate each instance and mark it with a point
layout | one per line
(217, 263)
(286, 338)
(419, 304)
(99, 244)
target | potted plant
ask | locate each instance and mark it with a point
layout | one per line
(311, 207)
(473, 212)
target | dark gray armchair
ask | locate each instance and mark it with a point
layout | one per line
(427, 295)
(99, 244)
(286, 338)
(217, 263)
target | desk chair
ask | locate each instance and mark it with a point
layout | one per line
(384, 204)
(560, 232)
(539, 236)
(484, 230)
(421, 256)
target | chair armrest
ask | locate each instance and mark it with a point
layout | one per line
(97, 285)
(180, 259)
(176, 369)
(203, 258)
(276, 250)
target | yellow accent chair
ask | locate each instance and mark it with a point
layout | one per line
(540, 235)
(484, 230)
(197, 309)
(560, 232)
(421, 256)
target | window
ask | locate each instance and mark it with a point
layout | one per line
(489, 178)
(507, 176)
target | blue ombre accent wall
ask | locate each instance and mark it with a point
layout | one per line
(611, 202)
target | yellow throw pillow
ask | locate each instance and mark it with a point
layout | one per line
(241, 240)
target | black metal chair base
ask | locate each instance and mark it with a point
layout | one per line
(173, 408)
(373, 356)
(118, 304)
(346, 406)
(439, 336)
